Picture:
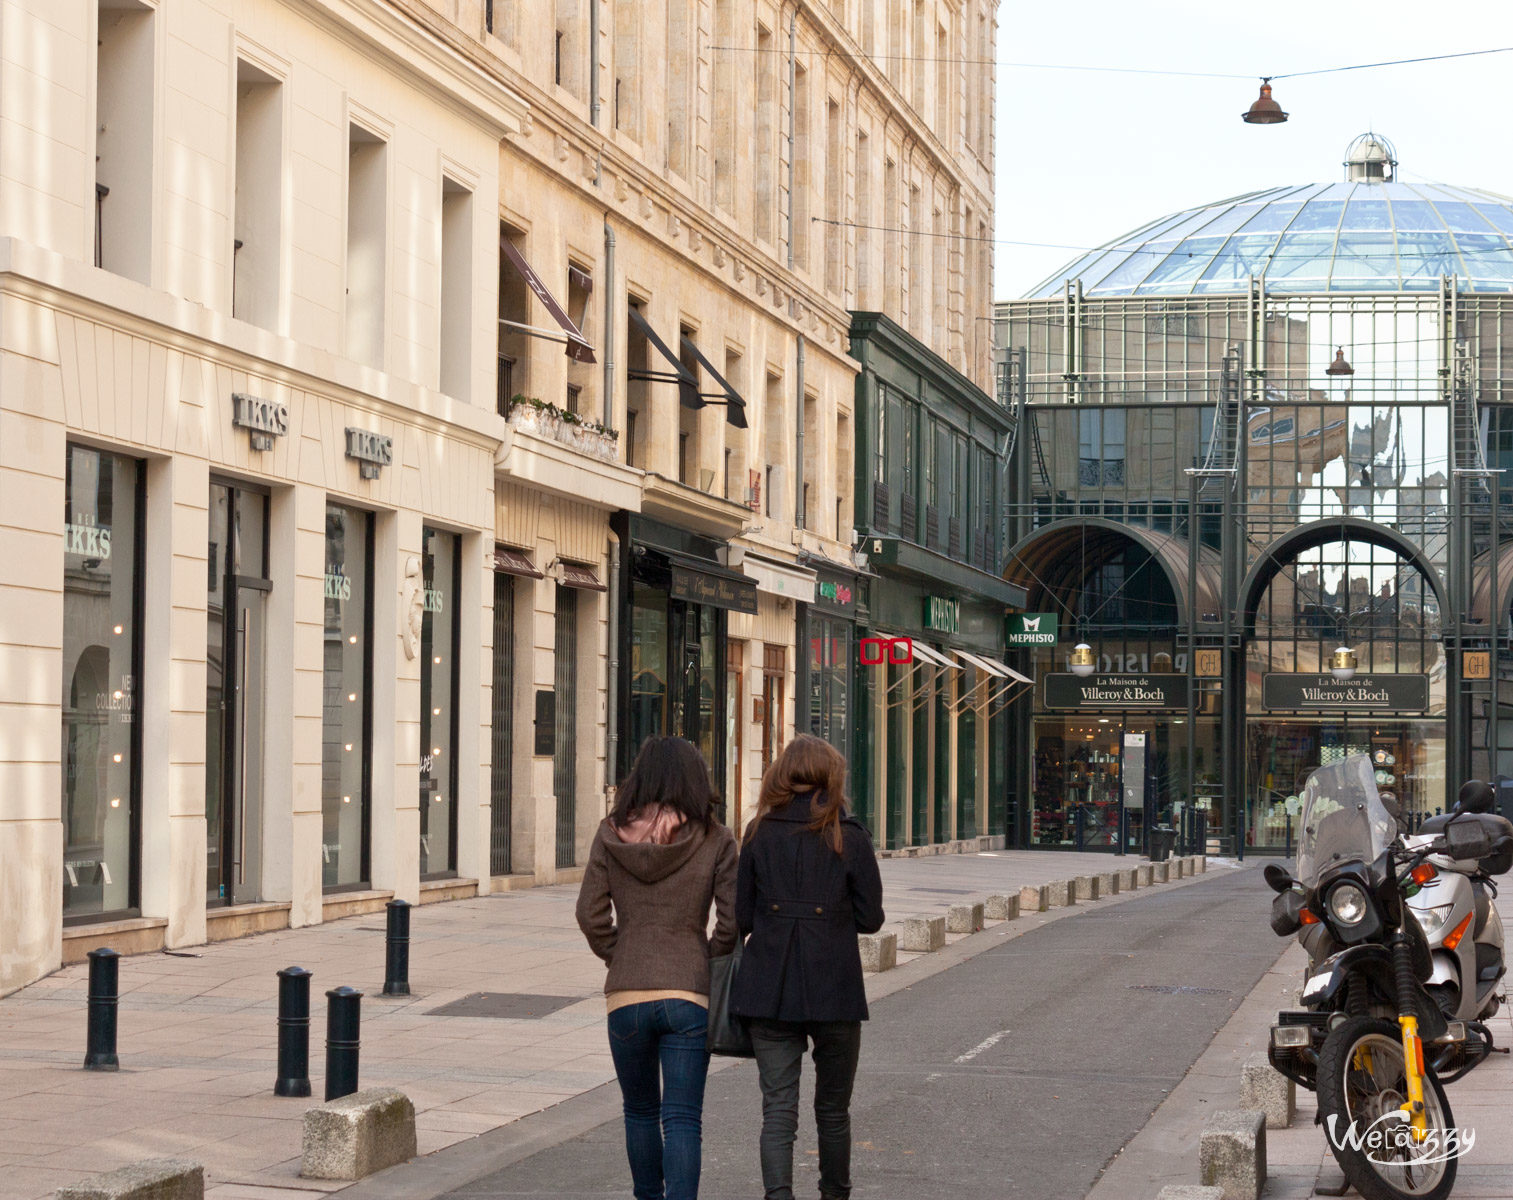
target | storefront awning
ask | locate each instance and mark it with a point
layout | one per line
(992, 666)
(933, 656)
(575, 576)
(578, 348)
(688, 386)
(513, 562)
(780, 579)
(735, 407)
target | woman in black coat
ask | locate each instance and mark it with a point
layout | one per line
(806, 885)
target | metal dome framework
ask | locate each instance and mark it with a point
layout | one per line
(1328, 237)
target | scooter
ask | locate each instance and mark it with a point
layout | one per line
(1453, 907)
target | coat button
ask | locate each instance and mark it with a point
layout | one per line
(774, 908)
(820, 911)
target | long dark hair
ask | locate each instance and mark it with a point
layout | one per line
(813, 765)
(669, 771)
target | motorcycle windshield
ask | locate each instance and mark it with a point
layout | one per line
(1343, 819)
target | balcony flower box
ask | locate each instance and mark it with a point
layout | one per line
(544, 420)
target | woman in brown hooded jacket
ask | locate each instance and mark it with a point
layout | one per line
(659, 860)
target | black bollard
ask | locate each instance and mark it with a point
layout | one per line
(343, 1018)
(293, 1033)
(397, 953)
(104, 995)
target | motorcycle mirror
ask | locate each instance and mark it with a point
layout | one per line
(1277, 878)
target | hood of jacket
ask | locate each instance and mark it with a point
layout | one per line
(651, 861)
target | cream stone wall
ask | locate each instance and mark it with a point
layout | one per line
(146, 367)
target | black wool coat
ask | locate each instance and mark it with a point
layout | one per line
(800, 906)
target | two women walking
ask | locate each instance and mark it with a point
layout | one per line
(806, 884)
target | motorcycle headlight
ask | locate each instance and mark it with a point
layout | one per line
(1348, 904)
(1432, 920)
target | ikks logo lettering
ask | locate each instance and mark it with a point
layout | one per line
(1389, 1142)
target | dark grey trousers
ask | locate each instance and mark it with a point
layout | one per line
(780, 1047)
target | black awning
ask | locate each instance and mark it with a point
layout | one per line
(709, 583)
(514, 562)
(735, 407)
(688, 386)
(577, 345)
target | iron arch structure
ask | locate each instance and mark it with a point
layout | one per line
(1296, 407)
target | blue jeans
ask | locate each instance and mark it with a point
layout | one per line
(660, 1060)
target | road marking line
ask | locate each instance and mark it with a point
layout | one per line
(985, 1044)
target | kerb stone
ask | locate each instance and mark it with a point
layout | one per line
(1232, 1154)
(1189, 1191)
(879, 951)
(1179, 868)
(1001, 908)
(1061, 893)
(1034, 899)
(354, 1136)
(1161, 872)
(964, 918)
(1087, 887)
(1145, 875)
(1110, 883)
(150, 1179)
(922, 934)
(1264, 1088)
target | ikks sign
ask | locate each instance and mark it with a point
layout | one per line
(263, 420)
(1032, 629)
(1397, 693)
(1065, 690)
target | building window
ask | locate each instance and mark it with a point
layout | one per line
(811, 464)
(124, 108)
(514, 321)
(766, 65)
(830, 656)
(627, 16)
(441, 575)
(347, 681)
(774, 667)
(257, 247)
(456, 340)
(367, 237)
(679, 83)
(565, 749)
(775, 443)
(502, 726)
(864, 233)
(1100, 447)
(803, 170)
(102, 683)
(724, 148)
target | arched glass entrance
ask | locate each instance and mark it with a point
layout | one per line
(1365, 595)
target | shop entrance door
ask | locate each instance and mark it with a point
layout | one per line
(1101, 781)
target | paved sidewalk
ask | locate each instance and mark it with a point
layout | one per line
(1166, 1150)
(198, 1039)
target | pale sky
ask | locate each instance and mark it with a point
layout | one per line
(1084, 157)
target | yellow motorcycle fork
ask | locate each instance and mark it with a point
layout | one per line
(1413, 1072)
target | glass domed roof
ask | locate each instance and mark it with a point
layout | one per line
(1362, 236)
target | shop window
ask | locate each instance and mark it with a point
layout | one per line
(735, 726)
(347, 681)
(125, 106)
(456, 289)
(502, 726)
(774, 665)
(257, 246)
(367, 238)
(649, 665)
(102, 683)
(441, 576)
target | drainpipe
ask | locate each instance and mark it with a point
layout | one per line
(609, 326)
(612, 682)
(793, 37)
(593, 63)
(798, 465)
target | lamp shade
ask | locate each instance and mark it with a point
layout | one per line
(1265, 110)
(1083, 661)
(1342, 663)
(1339, 366)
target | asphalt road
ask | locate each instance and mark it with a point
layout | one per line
(1018, 1073)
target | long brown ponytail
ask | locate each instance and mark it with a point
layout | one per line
(813, 765)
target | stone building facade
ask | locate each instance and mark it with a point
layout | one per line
(357, 523)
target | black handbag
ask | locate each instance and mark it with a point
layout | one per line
(727, 1035)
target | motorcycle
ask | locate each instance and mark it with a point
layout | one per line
(1359, 1040)
(1464, 930)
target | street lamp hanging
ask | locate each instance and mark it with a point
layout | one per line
(1083, 661)
(1265, 110)
(1342, 663)
(1339, 366)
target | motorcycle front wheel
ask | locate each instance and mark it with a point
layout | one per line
(1361, 1086)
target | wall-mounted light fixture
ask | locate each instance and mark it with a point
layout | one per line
(1342, 663)
(1083, 661)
